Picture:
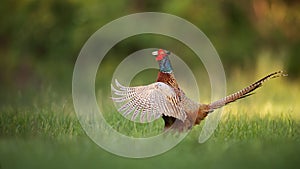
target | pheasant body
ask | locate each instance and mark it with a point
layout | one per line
(165, 99)
(191, 108)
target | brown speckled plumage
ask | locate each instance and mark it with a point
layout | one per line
(195, 111)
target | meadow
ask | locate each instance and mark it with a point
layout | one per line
(261, 131)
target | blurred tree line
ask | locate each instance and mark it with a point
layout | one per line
(40, 40)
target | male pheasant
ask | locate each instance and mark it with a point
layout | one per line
(166, 99)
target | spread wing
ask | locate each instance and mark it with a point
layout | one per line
(148, 102)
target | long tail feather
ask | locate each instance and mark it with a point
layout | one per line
(245, 92)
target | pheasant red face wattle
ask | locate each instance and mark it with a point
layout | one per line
(161, 55)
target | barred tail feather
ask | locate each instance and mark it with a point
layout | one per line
(247, 91)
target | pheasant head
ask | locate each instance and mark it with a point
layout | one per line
(162, 57)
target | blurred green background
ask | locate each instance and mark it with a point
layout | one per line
(41, 39)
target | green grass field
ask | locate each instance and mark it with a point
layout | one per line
(262, 131)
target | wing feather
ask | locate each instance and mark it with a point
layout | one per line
(147, 103)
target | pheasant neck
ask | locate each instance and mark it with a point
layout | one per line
(165, 65)
(167, 78)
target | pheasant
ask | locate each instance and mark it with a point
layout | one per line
(166, 99)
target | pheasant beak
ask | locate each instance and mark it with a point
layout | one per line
(155, 53)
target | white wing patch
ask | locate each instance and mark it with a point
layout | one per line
(147, 103)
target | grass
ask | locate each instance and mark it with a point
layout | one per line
(262, 131)
(47, 139)
(54, 141)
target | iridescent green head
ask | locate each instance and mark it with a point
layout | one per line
(162, 56)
